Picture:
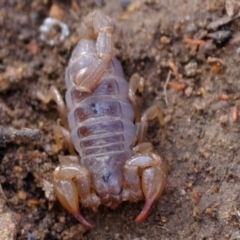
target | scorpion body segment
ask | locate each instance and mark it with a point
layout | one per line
(105, 128)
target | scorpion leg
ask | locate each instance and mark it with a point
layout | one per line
(143, 147)
(54, 94)
(96, 26)
(136, 83)
(145, 173)
(151, 113)
(71, 182)
(62, 135)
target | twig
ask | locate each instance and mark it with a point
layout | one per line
(9, 134)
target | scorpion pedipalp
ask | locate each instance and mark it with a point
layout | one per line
(71, 183)
(151, 179)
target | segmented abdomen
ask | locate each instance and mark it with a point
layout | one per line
(101, 123)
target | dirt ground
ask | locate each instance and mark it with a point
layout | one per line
(188, 52)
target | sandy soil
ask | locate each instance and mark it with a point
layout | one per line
(201, 101)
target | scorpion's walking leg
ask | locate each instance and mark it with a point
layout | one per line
(54, 94)
(71, 182)
(99, 27)
(145, 173)
(136, 83)
(151, 113)
(143, 148)
(61, 134)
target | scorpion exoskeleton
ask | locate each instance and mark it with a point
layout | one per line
(105, 127)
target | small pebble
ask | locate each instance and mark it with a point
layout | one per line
(22, 195)
(32, 202)
(56, 12)
(220, 37)
(190, 69)
(182, 192)
(224, 119)
(164, 219)
(188, 91)
(205, 153)
(62, 219)
(18, 169)
(165, 40)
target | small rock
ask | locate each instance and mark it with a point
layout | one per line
(224, 119)
(8, 220)
(164, 219)
(190, 69)
(32, 202)
(56, 12)
(204, 153)
(22, 195)
(48, 189)
(182, 192)
(188, 91)
(165, 40)
(191, 28)
(220, 37)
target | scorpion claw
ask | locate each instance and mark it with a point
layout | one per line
(82, 220)
(147, 209)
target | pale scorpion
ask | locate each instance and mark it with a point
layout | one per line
(105, 128)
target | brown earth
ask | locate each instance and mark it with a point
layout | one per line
(200, 102)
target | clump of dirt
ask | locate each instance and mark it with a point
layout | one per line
(188, 54)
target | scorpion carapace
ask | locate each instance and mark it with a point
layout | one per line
(114, 164)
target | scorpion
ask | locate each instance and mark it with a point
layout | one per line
(103, 124)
